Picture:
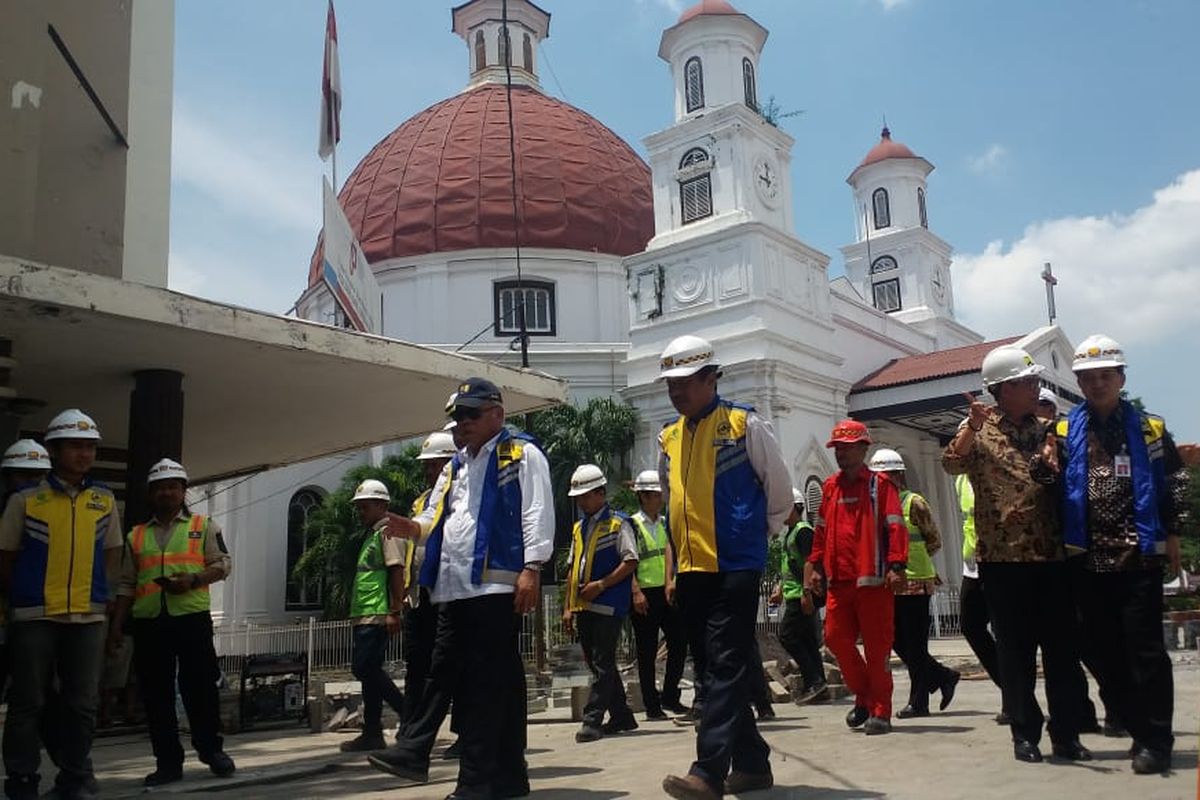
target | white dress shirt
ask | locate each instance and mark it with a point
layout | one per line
(463, 500)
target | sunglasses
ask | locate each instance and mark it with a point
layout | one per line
(465, 412)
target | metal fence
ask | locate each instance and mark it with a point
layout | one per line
(328, 646)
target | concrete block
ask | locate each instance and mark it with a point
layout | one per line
(633, 696)
(836, 692)
(1170, 635)
(774, 673)
(579, 697)
(778, 693)
(833, 675)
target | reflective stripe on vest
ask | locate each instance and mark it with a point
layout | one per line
(652, 553)
(920, 565)
(600, 561)
(370, 579)
(183, 555)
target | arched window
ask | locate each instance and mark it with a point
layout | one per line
(695, 185)
(693, 83)
(921, 208)
(502, 47)
(527, 54)
(883, 211)
(537, 297)
(812, 497)
(748, 84)
(885, 293)
(883, 264)
(301, 593)
(480, 51)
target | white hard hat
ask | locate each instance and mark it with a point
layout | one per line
(647, 481)
(1008, 364)
(25, 454)
(886, 460)
(166, 469)
(438, 444)
(797, 497)
(72, 424)
(585, 478)
(371, 489)
(1098, 351)
(686, 355)
(1047, 395)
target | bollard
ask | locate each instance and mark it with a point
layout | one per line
(316, 706)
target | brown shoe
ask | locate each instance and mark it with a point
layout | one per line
(689, 787)
(739, 782)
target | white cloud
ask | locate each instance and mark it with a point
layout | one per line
(1134, 277)
(989, 160)
(888, 5)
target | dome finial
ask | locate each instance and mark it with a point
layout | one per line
(885, 133)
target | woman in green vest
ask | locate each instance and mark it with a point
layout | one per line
(926, 674)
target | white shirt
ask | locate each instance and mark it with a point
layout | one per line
(458, 532)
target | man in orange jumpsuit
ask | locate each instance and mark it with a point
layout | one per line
(859, 554)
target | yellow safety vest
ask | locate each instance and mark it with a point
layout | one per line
(183, 555)
(920, 565)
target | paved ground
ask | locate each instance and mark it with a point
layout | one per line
(957, 754)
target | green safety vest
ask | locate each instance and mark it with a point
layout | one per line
(652, 553)
(966, 504)
(920, 565)
(370, 580)
(183, 554)
(793, 586)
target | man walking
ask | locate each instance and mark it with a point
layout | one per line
(727, 489)
(602, 559)
(487, 531)
(859, 557)
(798, 629)
(60, 543)
(926, 674)
(651, 610)
(376, 606)
(1020, 556)
(972, 607)
(1123, 500)
(170, 561)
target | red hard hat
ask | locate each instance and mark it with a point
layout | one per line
(849, 431)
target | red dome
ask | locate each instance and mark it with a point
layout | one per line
(707, 7)
(442, 181)
(887, 149)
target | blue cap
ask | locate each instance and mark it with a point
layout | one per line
(473, 393)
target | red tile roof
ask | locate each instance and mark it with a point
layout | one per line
(706, 7)
(929, 366)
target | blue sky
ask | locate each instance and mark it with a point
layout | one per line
(1062, 131)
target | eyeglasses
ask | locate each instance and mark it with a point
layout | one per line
(467, 412)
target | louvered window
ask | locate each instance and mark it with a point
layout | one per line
(883, 211)
(748, 84)
(538, 300)
(887, 295)
(695, 185)
(921, 208)
(812, 497)
(693, 81)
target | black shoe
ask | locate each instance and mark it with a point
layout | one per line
(857, 716)
(766, 712)
(674, 706)
(1027, 752)
(619, 726)
(1150, 762)
(588, 734)
(813, 693)
(1071, 751)
(908, 712)
(454, 751)
(877, 725)
(1114, 730)
(656, 715)
(741, 782)
(21, 787)
(364, 743)
(1090, 726)
(471, 793)
(688, 718)
(400, 763)
(948, 691)
(221, 765)
(161, 776)
(1003, 718)
(511, 790)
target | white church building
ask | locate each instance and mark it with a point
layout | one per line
(618, 256)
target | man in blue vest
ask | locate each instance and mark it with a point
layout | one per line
(1123, 506)
(652, 611)
(602, 559)
(727, 488)
(60, 542)
(487, 531)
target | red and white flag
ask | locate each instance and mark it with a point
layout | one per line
(331, 91)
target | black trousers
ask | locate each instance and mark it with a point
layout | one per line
(926, 674)
(659, 616)
(476, 662)
(370, 650)
(420, 628)
(1031, 606)
(799, 633)
(973, 617)
(719, 610)
(1122, 613)
(160, 647)
(598, 635)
